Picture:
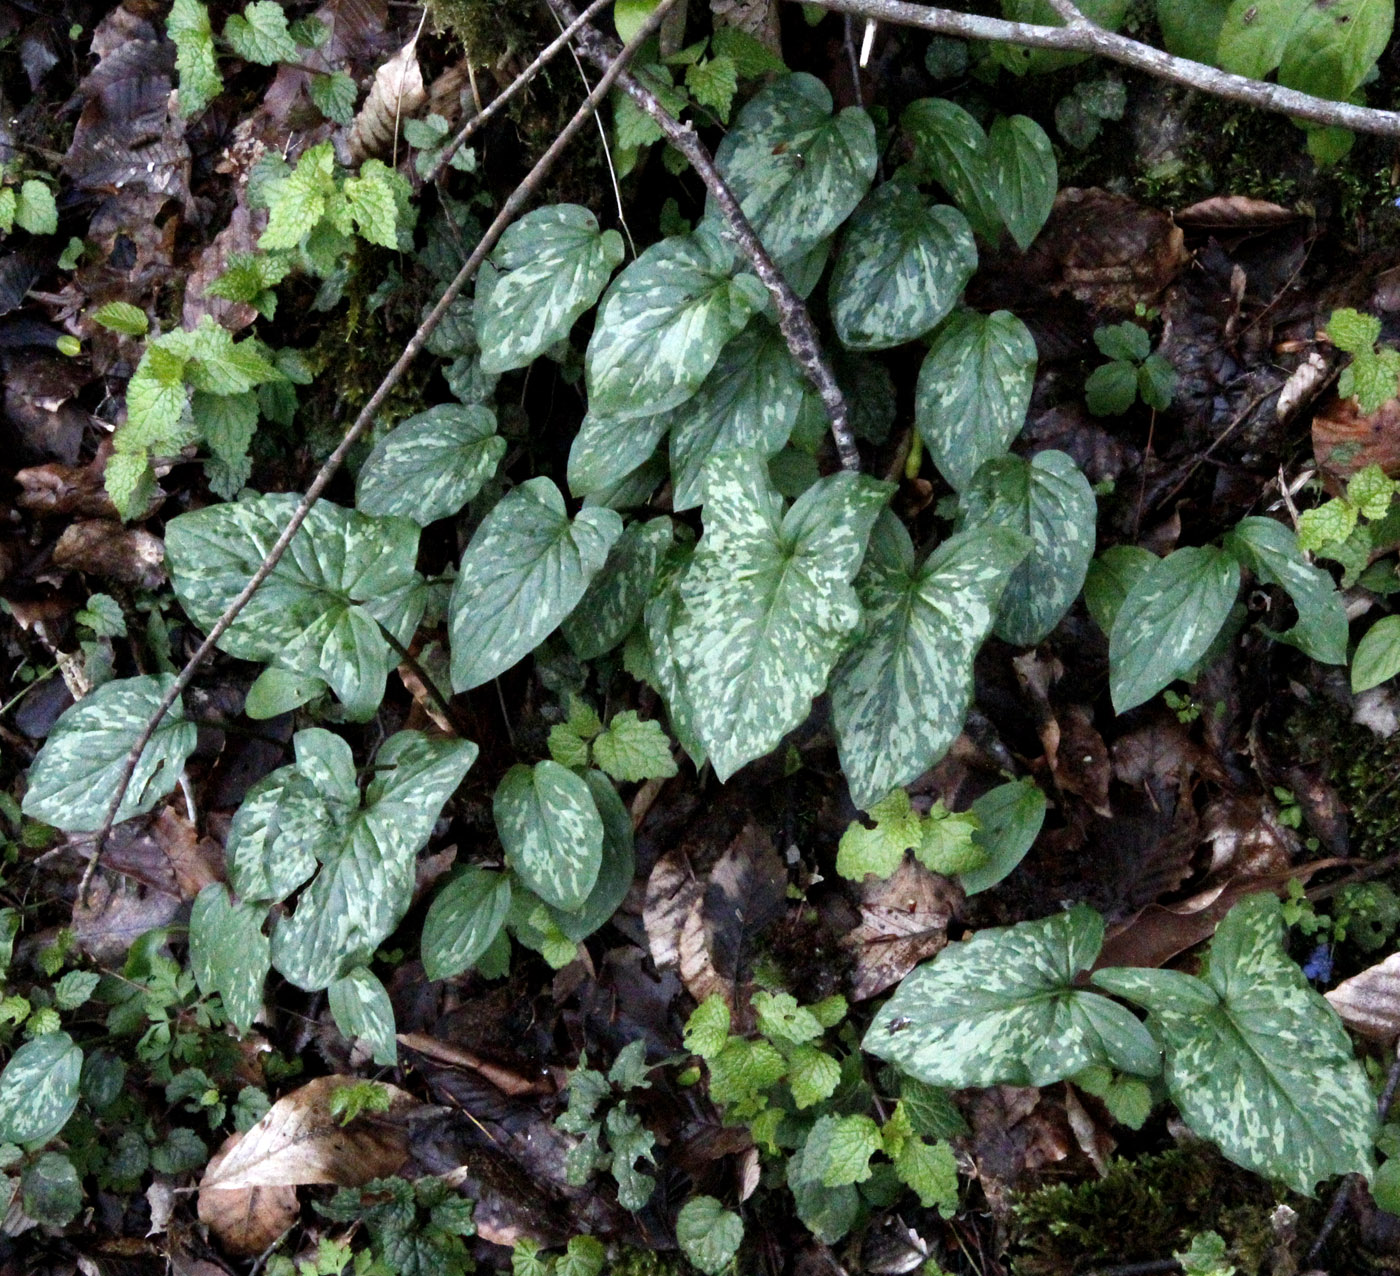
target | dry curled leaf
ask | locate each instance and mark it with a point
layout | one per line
(904, 920)
(1234, 212)
(396, 94)
(1345, 439)
(246, 1220)
(1369, 1003)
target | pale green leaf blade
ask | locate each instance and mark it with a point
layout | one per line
(767, 603)
(260, 34)
(612, 605)
(1011, 816)
(200, 81)
(797, 169)
(39, 1088)
(551, 831)
(633, 749)
(431, 465)
(1168, 621)
(1377, 658)
(464, 918)
(554, 263)
(1024, 176)
(74, 779)
(229, 954)
(662, 324)
(360, 1006)
(902, 267)
(1049, 500)
(708, 1234)
(899, 697)
(973, 392)
(123, 317)
(524, 571)
(35, 208)
(1002, 1008)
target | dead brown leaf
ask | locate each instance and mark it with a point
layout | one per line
(245, 1219)
(164, 851)
(395, 96)
(1369, 1003)
(904, 920)
(117, 914)
(298, 1141)
(1234, 212)
(1345, 439)
(66, 489)
(110, 551)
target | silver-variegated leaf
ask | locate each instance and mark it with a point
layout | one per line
(553, 264)
(365, 880)
(74, 779)
(797, 169)
(431, 465)
(1049, 500)
(615, 873)
(1255, 1058)
(767, 603)
(663, 322)
(1002, 1009)
(360, 1007)
(229, 954)
(463, 920)
(902, 267)
(39, 1088)
(1168, 621)
(524, 571)
(659, 619)
(551, 831)
(607, 449)
(1024, 175)
(973, 392)
(612, 605)
(750, 400)
(951, 148)
(320, 611)
(1270, 550)
(899, 697)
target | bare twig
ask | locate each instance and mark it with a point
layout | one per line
(1085, 37)
(517, 200)
(547, 55)
(793, 320)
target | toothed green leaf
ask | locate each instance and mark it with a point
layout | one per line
(709, 1235)
(260, 34)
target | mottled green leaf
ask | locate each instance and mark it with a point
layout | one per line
(974, 389)
(797, 169)
(951, 148)
(618, 868)
(1270, 550)
(51, 1191)
(74, 779)
(662, 324)
(660, 618)
(1010, 818)
(524, 571)
(229, 954)
(1168, 621)
(902, 267)
(39, 1088)
(607, 449)
(320, 612)
(1111, 575)
(1255, 1058)
(612, 605)
(553, 263)
(1024, 175)
(431, 465)
(464, 918)
(767, 603)
(749, 400)
(360, 1006)
(708, 1234)
(1049, 500)
(551, 831)
(899, 697)
(1108, 14)
(1002, 1008)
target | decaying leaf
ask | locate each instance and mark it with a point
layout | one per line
(299, 1141)
(1369, 1003)
(1346, 440)
(904, 920)
(1234, 212)
(245, 1219)
(110, 551)
(395, 96)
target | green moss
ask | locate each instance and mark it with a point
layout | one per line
(648, 1262)
(1363, 768)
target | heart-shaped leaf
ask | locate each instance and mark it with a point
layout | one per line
(39, 1088)
(1024, 175)
(951, 148)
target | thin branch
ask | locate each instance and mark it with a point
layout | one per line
(793, 320)
(516, 201)
(497, 103)
(1088, 38)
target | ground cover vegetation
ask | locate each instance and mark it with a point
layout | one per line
(739, 638)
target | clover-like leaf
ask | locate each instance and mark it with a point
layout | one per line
(797, 169)
(359, 1004)
(74, 779)
(229, 954)
(1256, 1059)
(431, 465)
(767, 602)
(902, 267)
(1049, 500)
(345, 582)
(551, 831)
(1002, 1008)
(524, 571)
(1168, 621)
(899, 697)
(39, 1088)
(974, 389)
(553, 264)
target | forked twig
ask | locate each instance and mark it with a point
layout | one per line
(517, 199)
(793, 320)
(1083, 36)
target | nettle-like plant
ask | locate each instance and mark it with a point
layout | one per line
(798, 585)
